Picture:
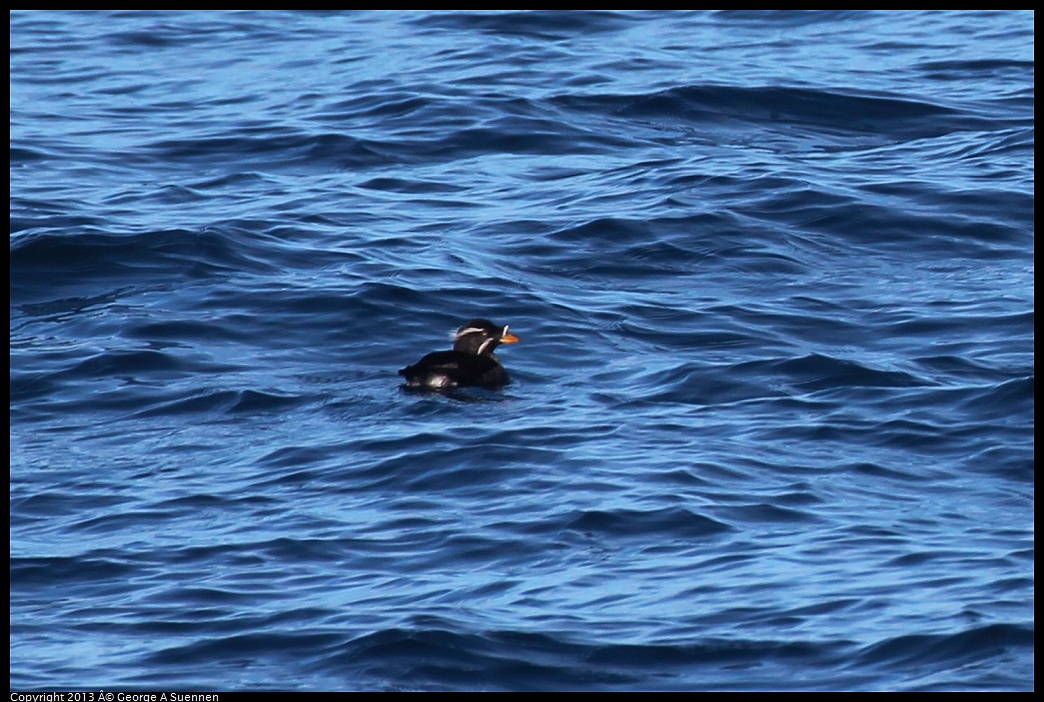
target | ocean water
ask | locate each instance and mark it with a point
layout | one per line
(771, 418)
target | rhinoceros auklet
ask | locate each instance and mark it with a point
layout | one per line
(470, 363)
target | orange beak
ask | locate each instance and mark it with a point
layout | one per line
(508, 337)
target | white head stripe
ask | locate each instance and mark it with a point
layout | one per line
(485, 343)
(470, 330)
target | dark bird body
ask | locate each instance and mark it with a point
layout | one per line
(471, 363)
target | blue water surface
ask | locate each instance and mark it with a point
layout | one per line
(771, 419)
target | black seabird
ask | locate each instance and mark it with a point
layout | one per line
(471, 363)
